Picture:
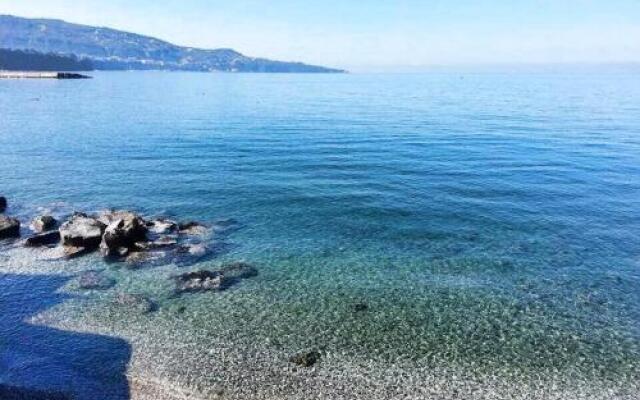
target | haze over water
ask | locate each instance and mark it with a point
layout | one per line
(490, 222)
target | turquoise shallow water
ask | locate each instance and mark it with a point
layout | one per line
(491, 222)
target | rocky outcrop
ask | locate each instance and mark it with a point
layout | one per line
(82, 231)
(9, 227)
(199, 281)
(193, 228)
(3, 203)
(162, 226)
(43, 223)
(43, 239)
(121, 235)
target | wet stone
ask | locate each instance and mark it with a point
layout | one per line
(43, 239)
(200, 281)
(82, 231)
(9, 227)
(162, 226)
(192, 228)
(360, 307)
(71, 252)
(43, 223)
(305, 359)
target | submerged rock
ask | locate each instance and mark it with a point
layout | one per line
(193, 249)
(122, 234)
(161, 242)
(200, 281)
(94, 280)
(43, 223)
(360, 307)
(82, 231)
(3, 203)
(305, 359)
(9, 227)
(238, 270)
(43, 239)
(135, 302)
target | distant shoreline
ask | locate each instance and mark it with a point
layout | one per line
(41, 75)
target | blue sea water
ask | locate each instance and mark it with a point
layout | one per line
(490, 221)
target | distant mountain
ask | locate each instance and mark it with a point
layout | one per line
(110, 49)
(29, 60)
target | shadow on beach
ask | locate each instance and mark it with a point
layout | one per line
(41, 363)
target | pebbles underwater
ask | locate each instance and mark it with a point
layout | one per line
(291, 325)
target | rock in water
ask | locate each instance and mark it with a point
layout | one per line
(3, 203)
(193, 229)
(82, 231)
(43, 239)
(162, 226)
(9, 227)
(123, 233)
(74, 251)
(135, 302)
(238, 270)
(94, 280)
(306, 359)
(200, 281)
(43, 223)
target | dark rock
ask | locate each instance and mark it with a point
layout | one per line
(162, 226)
(94, 280)
(122, 233)
(43, 223)
(193, 228)
(9, 227)
(360, 307)
(135, 302)
(306, 359)
(82, 231)
(200, 281)
(238, 270)
(43, 239)
(3, 203)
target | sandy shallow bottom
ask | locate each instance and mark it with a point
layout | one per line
(236, 344)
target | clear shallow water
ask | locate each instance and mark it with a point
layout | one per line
(490, 222)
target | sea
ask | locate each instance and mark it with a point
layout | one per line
(439, 235)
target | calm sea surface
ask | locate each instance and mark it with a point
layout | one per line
(490, 223)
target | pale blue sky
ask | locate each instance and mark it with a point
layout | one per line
(368, 34)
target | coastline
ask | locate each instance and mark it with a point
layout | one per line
(41, 75)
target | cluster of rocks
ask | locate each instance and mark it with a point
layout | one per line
(118, 235)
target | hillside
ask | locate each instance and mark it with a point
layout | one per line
(110, 49)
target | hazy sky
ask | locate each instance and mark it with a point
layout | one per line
(374, 33)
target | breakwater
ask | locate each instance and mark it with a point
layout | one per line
(41, 75)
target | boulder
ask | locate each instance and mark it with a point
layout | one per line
(162, 226)
(200, 281)
(3, 203)
(82, 231)
(94, 280)
(305, 359)
(43, 223)
(9, 227)
(43, 239)
(122, 234)
(135, 302)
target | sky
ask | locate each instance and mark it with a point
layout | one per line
(374, 34)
